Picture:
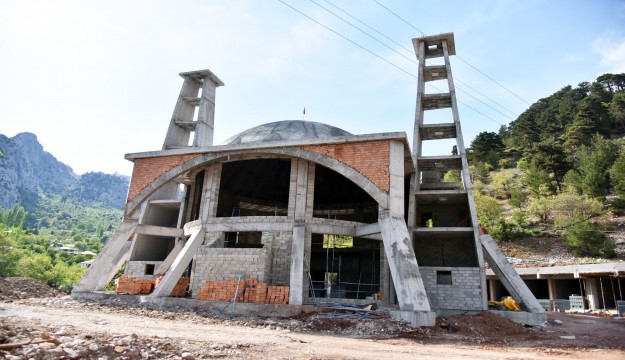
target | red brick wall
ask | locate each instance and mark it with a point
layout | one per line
(370, 158)
(146, 170)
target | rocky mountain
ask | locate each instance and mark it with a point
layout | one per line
(27, 172)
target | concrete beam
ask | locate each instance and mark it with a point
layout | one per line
(159, 231)
(368, 229)
(508, 276)
(173, 254)
(179, 265)
(109, 260)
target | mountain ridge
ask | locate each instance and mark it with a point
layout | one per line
(28, 172)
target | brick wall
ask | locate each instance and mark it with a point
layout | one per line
(465, 293)
(146, 170)
(370, 158)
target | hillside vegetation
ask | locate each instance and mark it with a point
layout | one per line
(51, 219)
(558, 170)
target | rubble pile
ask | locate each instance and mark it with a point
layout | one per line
(26, 342)
(22, 287)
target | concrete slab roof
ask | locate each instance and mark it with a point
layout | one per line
(582, 269)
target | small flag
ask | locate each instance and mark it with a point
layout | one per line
(304, 112)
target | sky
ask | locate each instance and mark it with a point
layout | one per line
(95, 80)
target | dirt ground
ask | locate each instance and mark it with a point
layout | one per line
(60, 328)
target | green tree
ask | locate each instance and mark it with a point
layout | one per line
(549, 156)
(617, 111)
(486, 147)
(588, 239)
(536, 179)
(617, 175)
(37, 266)
(14, 217)
(540, 207)
(594, 166)
(452, 176)
(9, 254)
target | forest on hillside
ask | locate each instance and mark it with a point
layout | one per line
(558, 168)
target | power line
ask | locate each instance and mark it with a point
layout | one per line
(399, 17)
(351, 41)
(409, 59)
(493, 80)
(396, 66)
(460, 58)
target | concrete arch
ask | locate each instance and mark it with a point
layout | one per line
(379, 195)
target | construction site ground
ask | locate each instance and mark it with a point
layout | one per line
(38, 323)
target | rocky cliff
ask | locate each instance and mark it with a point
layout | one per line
(27, 171)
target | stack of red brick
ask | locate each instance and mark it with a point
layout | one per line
(130, 285)
(250, 291)
(179, 290)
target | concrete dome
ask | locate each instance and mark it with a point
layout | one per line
(286, 130)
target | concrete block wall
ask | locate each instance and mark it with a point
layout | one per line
(136, 269)
(463, 294)
(280, 258)
(225, 264)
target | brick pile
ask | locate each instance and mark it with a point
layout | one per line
(130, 285)
(179, 290)
(250, 291)
(137, 286)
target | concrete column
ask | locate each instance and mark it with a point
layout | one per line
(396, 175)
(109, 260)
(212, 193)
(301, 190)
(206, 114)
(414, 305)
(385, 277)
(551, 288)
(298, 245)
(403, 264)
(296, 282)
(179, 264)
(207, 191)
(492, 294)
(592, 293)
(509, 277)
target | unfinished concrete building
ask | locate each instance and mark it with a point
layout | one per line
(333, 216)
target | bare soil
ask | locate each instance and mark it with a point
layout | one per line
(75, 330)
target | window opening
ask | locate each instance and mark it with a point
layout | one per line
(443, 278)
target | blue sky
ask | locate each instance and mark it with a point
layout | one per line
(98, 79)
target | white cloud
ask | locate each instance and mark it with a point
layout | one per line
(612, 53)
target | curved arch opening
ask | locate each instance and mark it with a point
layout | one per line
(337, 197)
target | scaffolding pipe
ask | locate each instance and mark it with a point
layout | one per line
(602, 297)
(613, 292)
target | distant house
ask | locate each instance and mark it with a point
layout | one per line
(67, 249)
(86, 264)
(90, 253)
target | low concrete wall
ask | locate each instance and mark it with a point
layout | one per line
(463, 294)
(269, 310)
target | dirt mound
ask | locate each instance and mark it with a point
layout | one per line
(15, 288)
(481, 328)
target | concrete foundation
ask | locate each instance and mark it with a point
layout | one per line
(415, 318)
